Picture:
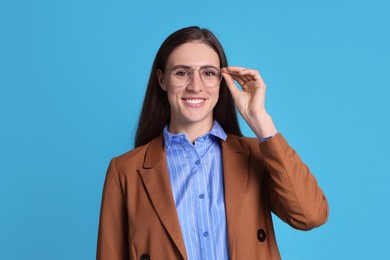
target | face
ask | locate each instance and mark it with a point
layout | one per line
(192, 103)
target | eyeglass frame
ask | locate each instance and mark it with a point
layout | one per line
(192, 69)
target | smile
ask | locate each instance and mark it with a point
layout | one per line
(194, 100)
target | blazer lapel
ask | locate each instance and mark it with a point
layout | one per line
(155, 177)
(235, 170)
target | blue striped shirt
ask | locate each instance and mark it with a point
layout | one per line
(195, 172)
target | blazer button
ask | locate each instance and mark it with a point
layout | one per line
(145, 257)
(261, 235)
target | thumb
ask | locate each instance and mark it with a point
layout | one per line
(231, 85)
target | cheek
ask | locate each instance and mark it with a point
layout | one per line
(172, 96)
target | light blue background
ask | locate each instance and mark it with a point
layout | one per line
(72, 79)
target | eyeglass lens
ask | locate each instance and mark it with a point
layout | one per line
(211, 76)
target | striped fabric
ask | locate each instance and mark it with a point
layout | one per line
(196, 177)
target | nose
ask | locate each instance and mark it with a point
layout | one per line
(195, 83)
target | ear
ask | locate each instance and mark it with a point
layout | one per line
(161, 79)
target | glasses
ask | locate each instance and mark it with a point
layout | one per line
(210, 76)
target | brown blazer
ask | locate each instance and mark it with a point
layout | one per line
(138, 216)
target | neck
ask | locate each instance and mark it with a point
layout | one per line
(192, 131)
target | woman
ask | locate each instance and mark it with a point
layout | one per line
(194, 188)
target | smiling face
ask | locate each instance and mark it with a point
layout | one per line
(192, 103)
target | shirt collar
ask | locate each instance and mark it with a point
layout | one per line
(216, 131)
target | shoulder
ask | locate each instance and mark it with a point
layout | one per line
(132, 155)
(136, 158)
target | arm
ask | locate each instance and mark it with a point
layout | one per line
(294, 194)
(113, 227)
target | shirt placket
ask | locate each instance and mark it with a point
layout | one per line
(201, 198)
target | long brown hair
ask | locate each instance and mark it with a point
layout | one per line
(156, 110)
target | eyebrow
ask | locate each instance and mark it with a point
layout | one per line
(188, 66)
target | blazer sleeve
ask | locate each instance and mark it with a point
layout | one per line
(295, 196)
(113, 226)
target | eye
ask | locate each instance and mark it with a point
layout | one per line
(181, 73)
(210, 73)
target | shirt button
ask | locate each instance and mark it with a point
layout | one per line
(206, 234)
(197, 162)
(201, 196)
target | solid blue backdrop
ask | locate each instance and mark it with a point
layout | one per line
(72, 79)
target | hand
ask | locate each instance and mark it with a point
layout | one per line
(250, 101)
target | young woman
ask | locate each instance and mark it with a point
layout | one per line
(194, 188)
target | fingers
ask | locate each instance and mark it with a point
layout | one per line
(244, 76)
(244, 72)
(231, 85)
(241, 79)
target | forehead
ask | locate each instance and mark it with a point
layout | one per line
(194, 54)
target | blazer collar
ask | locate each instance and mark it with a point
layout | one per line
(155, 177)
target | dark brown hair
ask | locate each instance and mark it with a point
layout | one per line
(156, 110)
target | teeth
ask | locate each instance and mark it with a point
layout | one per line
(194, 101)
